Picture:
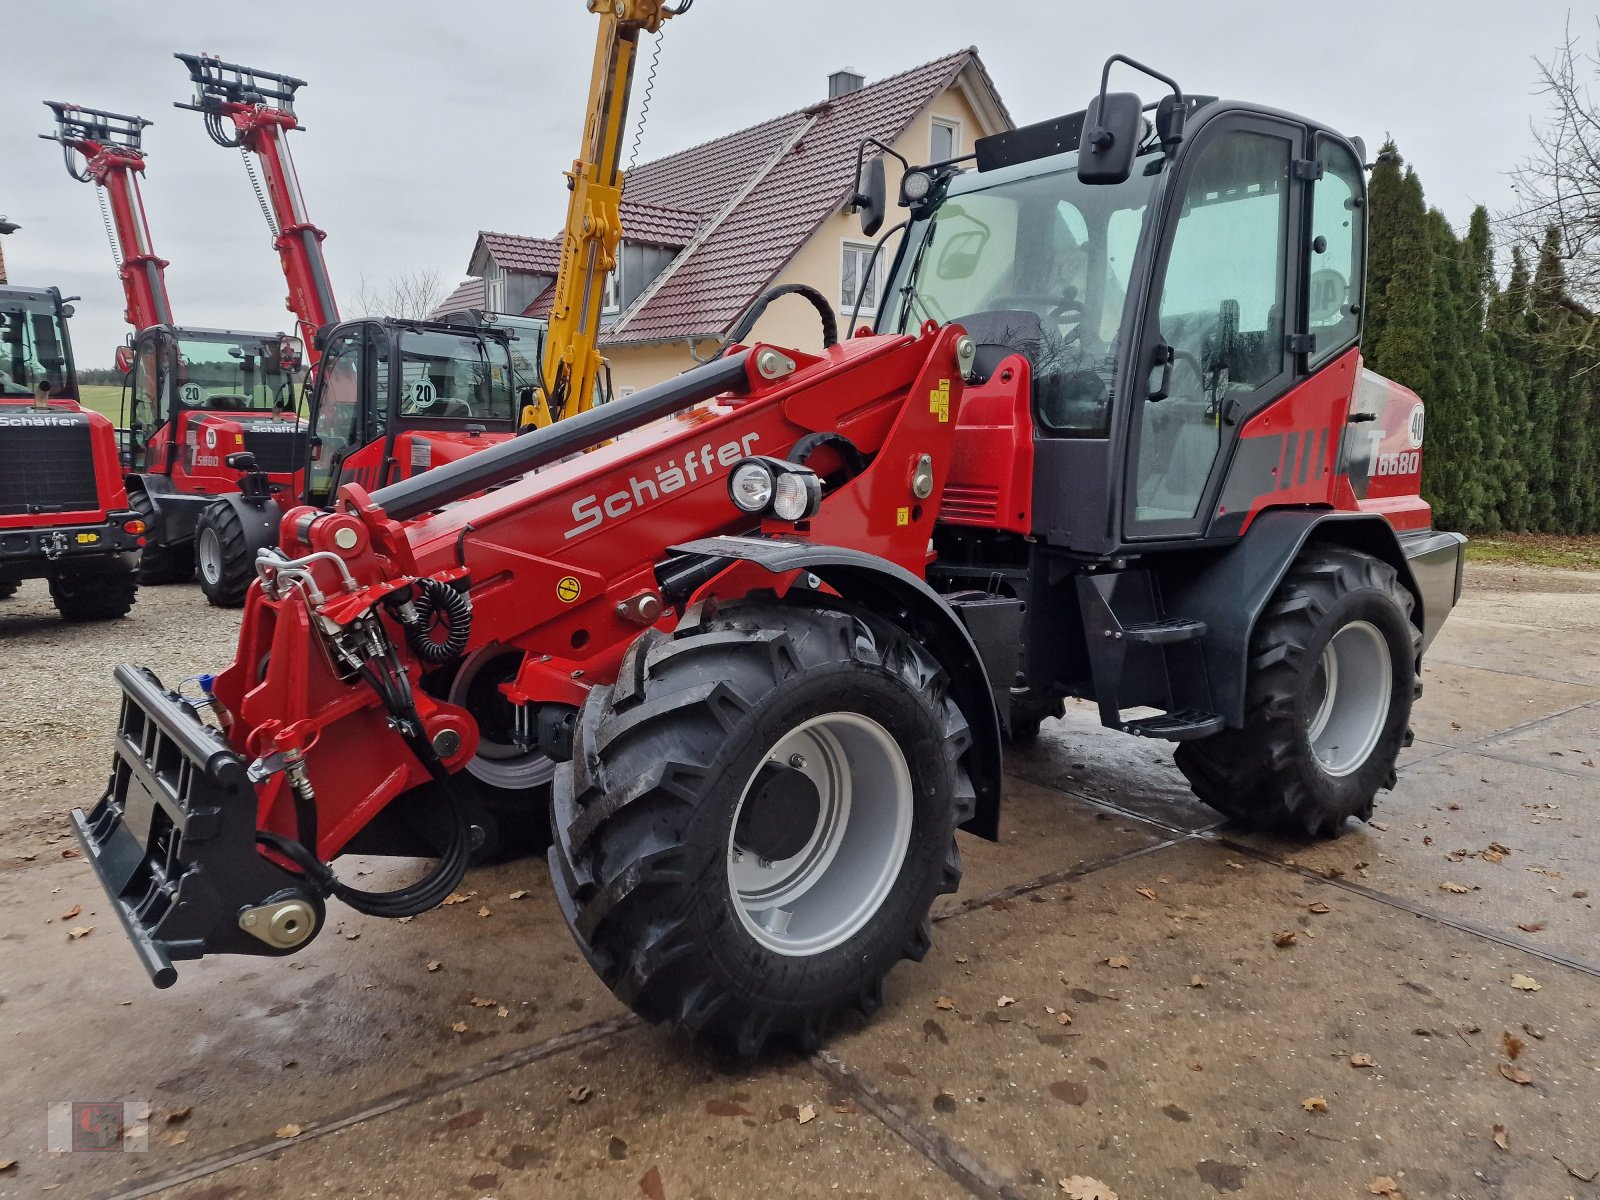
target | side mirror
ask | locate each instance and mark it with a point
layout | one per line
(872, 197)
(1111, 129)
(242, 461)
(291, 354)
(124, 359)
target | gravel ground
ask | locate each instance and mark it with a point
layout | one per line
(58, 702)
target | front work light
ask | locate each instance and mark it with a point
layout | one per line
(774, 488)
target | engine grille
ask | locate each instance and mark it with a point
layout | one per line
(970, 504)
(276, 453)
(47, 469)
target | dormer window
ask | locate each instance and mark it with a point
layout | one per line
(494, 288)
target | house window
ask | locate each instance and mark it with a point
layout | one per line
(494, 288)
(856, 280)
(611, 297)
(945, 142)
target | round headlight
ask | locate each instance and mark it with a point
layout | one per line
(796, 496)
(916, 186)
(750, 487)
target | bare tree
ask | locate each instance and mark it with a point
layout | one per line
(410, 295)
(1558, 184)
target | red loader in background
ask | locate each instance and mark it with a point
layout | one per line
(1112, 440)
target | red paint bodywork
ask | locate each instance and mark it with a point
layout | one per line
(112, 495)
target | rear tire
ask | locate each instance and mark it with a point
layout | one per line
(8, 588)
(670, 795)
(1328, 699)
(98, 594)
(159, 563)
(224, 562)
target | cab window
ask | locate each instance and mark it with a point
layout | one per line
(1335, 254)
(336, 419)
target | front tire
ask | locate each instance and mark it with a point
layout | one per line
(95, 594)
(757, 819)
(224, 561)
(1332, 674)
(159, 563)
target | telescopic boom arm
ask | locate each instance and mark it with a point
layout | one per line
(259, 105)
(593, 232)
(110, 147)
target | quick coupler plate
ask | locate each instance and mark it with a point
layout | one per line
(173, 841)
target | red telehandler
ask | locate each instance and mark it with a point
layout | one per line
(1111, 439)
(195, 399)
(64, 514)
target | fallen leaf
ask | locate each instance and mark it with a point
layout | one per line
(1005, 1002)
(1362, 1060)
(1458, 888)
(1526, 983)
(174, 1137)
(519, 894)
(78, 932)
(8, 1164)
(1314, 1104)
(1147, 893)
(1197, 981)
(1514, 1045)
(1501, 1137)
(1285, 938)
(961, 958)
(1576, 1173)
(288, 1131)
(350, 937)
(72, 912)
(1516, 1074)
(485, 911)
(459, 1027)
(179, 1114)
(480, 1002)
(502, 1011)
(1117, 962)
(1499, 849)
(1492, 856)
(458, 897)
(1384, 1186)
(651, 1186)
(945, 1003)
(1319, 908)
(579, 1094)
(1081, 1187)
(1379, 825)
(1236, 866)
(69, 853)
(435, 965)
(807, 1113)
(405, 920)
(1532, 927)
(1063, 1018)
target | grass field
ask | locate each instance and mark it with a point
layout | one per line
(1536, 550)
(104, 398)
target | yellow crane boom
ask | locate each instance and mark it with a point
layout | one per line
(593, 232)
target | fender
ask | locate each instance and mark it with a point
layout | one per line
(175, 512)
(259, 516)
(1230, 591)
(895, 593)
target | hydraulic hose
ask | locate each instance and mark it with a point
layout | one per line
(439, 600)
(830, 322)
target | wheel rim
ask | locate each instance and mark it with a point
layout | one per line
(208, 548)
(1350, 691)
(499, 762)
(823, 894)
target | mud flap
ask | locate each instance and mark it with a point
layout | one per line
(173, 840)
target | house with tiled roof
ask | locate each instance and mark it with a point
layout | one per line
(707, 230)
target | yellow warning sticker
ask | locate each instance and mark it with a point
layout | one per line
(939, 403)
(902, 516)
(569, 589)
(88, 539)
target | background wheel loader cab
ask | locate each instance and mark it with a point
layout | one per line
(389, 399)
(1117, 392)
(193, 400)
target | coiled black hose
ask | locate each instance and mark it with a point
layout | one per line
(830, 322)
(438, 600)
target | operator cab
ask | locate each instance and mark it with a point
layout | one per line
(395, 397)
(34, 347)
(1157, 309)
(228, 372)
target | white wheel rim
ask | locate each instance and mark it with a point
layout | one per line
(1356, 680)
(499, 764)
(210, 554)
(822, 895)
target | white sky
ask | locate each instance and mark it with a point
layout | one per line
(428, 121)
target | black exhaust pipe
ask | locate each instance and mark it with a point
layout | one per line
(498, 464)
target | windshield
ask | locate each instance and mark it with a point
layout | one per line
(454, 376)
(1032, 261)
(241, 374)
(33, 349)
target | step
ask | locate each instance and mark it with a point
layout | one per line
(1165, 633)
(1184, 726)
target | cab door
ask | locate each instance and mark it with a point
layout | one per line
(337, 411)
(1215, 332)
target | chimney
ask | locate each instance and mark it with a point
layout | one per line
(842, 83)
